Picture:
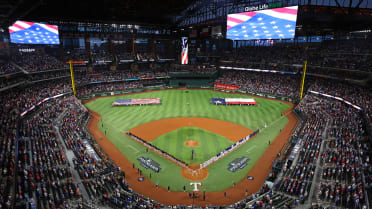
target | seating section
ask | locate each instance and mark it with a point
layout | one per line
(6, 68)
(344, 159)
(343, 54)
(37, 61)
(8, 125)
(45, 179)
(284, 85)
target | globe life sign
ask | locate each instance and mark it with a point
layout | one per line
(255, 8)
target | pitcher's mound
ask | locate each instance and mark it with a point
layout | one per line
(193, 173)
(191, 143)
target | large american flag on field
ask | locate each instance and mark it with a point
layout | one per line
(148, 101)
(277, 23)
(33, 33)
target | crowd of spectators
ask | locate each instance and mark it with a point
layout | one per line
(108, 87)
(6, 68)
(8, 123)
(266, 198)
(297, 176)
(345, 54)
(269, 83)
(44, 177)
(194, 68)
(120, 75)
(344, 159)
(37, 61)
(358, 95)
(351, 55)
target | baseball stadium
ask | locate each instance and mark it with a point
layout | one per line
(185, 104)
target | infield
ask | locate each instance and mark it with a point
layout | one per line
(209, 144)
(176, 103)
(152, 130)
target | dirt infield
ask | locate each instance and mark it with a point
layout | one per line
(151, 130)
(260, 171)
(191, 143)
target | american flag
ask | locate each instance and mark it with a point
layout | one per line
(185, 51)
(277, 23)
(126, 102)
(33, 33)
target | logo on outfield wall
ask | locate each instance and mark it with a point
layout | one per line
(238, 163)
(148, 163)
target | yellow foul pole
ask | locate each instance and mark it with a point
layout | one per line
(72, 78)
(303, 79)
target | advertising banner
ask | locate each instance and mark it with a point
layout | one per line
(226, 86)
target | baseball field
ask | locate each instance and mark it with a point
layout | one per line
(187, 126)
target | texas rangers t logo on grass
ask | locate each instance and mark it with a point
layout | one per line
(196, 186)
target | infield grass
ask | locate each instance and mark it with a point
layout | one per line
(177, 103)
(210, 144)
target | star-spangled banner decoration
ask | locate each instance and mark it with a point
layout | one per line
(277, 23)
(22, 32)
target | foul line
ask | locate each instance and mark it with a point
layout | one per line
(281, 117)
(136, 150)
(250, 148)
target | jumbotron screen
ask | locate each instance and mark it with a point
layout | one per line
(277, 23)
(22, 32)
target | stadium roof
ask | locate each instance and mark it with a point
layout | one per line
(142, 11)
(313, 19)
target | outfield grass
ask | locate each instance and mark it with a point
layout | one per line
(210, 144)
(117, 120)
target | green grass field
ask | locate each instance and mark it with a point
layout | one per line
(117, 120)
(210, 144)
